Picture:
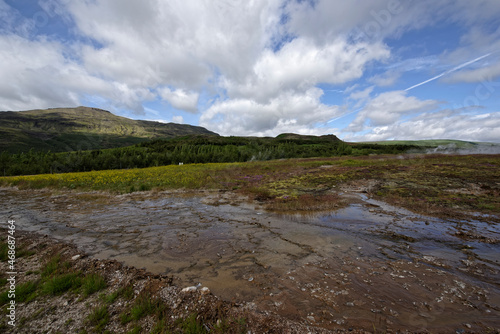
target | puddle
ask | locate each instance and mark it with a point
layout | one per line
(369, 264)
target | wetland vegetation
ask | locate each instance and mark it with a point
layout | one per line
(431, 184)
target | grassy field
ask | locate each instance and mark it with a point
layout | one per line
(436, 184)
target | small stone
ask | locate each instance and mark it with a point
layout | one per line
(468, 325)
(189, 289)
(205, 290)
(76, 257)
(250, 279)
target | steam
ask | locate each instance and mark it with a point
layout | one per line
(468, 148)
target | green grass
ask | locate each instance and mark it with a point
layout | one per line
(51, 267)
(136, 330)
(191, 325)
(62, 283)
(92, 283)
(125, 318)
(123, 181)
(20, 251)
(438, 182)
(24, 253)
(144, 305)
(99, 318)
(111, 298)
(160, 327)
(24, 292)
(127, 292)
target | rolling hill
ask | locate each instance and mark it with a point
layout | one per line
(81, 128)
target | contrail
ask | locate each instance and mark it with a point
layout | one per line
(448, 72)
(344, 115)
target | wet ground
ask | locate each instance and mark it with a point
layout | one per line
(368, 265)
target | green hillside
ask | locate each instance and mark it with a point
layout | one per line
(81, 128)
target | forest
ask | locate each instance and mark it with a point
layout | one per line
(186, 150)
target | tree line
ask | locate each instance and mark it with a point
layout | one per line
(191, 149)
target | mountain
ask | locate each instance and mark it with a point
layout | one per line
(81, 128)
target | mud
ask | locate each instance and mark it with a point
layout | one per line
(369, 265)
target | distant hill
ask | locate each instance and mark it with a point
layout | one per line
(81, 128)
(286, 136)
(446, 145)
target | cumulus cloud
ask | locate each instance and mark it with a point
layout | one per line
(300, 113)
(444, 124)
(35, 82)
(388, 108)
(243, 67)
(301, 64)
(52, 79)
(180, 99)
(178, 43)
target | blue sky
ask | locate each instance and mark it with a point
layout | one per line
(363, 70)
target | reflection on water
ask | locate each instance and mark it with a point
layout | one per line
(366, 263)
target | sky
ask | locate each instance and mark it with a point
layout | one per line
(364, 70)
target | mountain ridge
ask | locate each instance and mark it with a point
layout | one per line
(81, 128)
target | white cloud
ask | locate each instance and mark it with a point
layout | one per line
(33, 82)
(361, 94)
(361, 20)
(388, 108)
(487, 73)
(289, 112)
(444, 124)
(301, 64)
(387, 79)
(253, 67)
(415, 64)
(52, 79)
(176, 43)
(481, 46)
(178, 119)
(180, 99)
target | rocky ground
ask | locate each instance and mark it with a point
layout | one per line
(381, 271)
(179, 310)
